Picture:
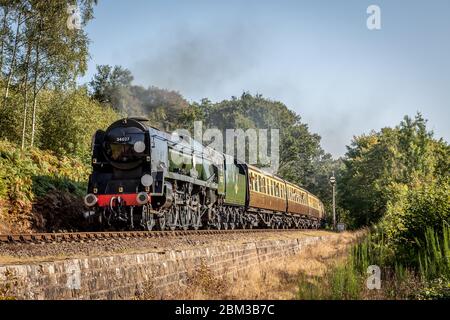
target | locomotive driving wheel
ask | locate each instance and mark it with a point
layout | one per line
(196, 214)
(197, 218)
(171, 218)
(148, 218)
(162, 222)
(224, 219)
(233, 219)
(185, 217)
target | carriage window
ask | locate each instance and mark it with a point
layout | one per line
(258, 184)
(263, 185)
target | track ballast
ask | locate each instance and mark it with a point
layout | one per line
(111, 235)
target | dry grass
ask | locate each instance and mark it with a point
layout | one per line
(279, 279)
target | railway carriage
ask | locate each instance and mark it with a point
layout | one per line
(144, 178)
(267, 197)
(307, 207)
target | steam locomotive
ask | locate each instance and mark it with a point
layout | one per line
(144, 178)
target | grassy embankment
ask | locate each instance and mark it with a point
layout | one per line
(276, 279)
(334, 269)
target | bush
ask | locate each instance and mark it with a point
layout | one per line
(65, 121)
(412, 212)
(69, 122)
(427, 278)
(27, 175)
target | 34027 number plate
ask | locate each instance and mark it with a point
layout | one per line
(123, 139)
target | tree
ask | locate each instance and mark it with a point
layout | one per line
(40, 52)
(113, 86)
(107, 81)
(68, 122)
(299, 148)
(382, 165)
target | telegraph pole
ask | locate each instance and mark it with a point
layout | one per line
(333, 184)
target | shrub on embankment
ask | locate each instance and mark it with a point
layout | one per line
(399, 179)
(39, 191)
(373, 270)
(411, 247)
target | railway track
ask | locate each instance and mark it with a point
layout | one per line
(105, 235)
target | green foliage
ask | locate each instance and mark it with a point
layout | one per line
(27, 175)
(413, 212)
(11, 116)
(433, 254)
(113, 86)
(383, 166)
(438, 289)
(39, 52)
(341, 282)
(372, 250)
(69, 122)
(108, 81)
(426, 277)
(66, 122)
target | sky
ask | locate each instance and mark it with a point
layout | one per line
(317, 57)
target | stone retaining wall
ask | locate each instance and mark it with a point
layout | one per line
(126, 275)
